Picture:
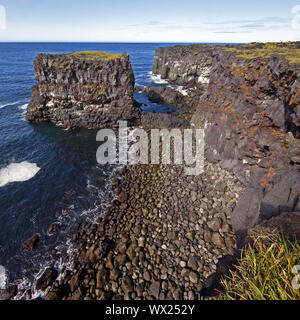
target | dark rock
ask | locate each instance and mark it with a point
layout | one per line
(114, 274)
(193, 263)
(287, 223)
(53, 228)
(213, 286)
(102, 277)
(283, 197)
(8, 293)
(154, 289)
(47, 278)
(164, 95)
(246, 213)
(163, 120)
(83, 90)
(127, 285)
(55, 294)
(31, 244)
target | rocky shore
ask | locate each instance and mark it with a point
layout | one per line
(160, 238)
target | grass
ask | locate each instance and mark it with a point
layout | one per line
(265, 271)
(95, 55)
(291, 50)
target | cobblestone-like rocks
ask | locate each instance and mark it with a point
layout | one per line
(156, 231)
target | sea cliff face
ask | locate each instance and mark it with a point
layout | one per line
(248, 102)
(83, 90)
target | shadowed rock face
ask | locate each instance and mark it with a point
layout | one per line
(83, 90)
(248, 103)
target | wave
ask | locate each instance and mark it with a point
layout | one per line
(156, 78)
(18, 172)
(180, 89)
(11, 104)
(23, 107)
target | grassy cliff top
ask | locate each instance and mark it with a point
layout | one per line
(95, 55)
(291, 50)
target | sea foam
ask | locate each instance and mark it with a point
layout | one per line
(156, 78)
(10, 104)
(18, 172)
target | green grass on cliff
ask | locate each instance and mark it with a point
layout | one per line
(265, 271)
(95, 55)
(291, 50)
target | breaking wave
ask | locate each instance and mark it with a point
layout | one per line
(156, 78)
(18, 172)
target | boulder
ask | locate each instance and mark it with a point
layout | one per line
(30, 244)
(47, 279)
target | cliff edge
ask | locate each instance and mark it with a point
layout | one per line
(247, 98)
(83, 90)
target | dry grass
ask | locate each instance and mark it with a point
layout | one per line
(265, 271)
(291, 50)
(95, 55)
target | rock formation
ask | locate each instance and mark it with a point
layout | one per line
(83, 90)
(247, 98)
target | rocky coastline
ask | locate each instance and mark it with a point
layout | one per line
(160, 239)
(169, 236)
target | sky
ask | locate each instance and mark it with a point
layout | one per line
(206, 21)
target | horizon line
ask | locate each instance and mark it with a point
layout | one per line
(218, 42)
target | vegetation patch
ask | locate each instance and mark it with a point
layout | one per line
(265, 270)
(95, 55)
(290, 50)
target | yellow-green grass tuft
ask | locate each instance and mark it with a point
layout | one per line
(265, 271)
(290, 50)
(95, 55)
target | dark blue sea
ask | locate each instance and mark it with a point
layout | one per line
(46, 173)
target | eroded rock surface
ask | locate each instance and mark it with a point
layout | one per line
(83, 90)
(248, 102)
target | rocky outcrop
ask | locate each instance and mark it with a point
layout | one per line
(47, 278)
(83, 90)
(188, 66)
(31, 244)
(250, 110)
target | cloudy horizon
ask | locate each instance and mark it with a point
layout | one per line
(156, 21)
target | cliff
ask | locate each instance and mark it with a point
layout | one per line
(247, 98)
(83, 90)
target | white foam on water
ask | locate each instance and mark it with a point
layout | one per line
(18, 172)
(180, 89)
(3, 278)
(10, 104)
(23, 107)
(156, 78)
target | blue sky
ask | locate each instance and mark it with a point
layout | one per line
(150, 21)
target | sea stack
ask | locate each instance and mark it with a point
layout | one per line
(83, 90)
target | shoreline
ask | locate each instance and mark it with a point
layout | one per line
(150, 245)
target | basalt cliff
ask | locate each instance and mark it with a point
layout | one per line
(83, 90)
(247, 98)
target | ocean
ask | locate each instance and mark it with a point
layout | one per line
(47, 174)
